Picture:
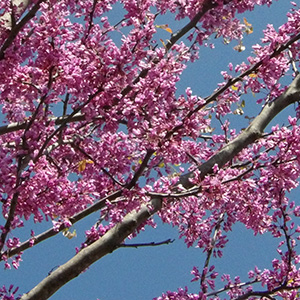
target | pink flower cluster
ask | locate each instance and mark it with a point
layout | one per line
(93, 109)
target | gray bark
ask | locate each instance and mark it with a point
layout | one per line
(114, 237)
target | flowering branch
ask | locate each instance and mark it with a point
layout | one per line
(87, 256)
(114, 237)
(267, 294)
(137, 88)
(77, 116)
(53, 231)
(206, 6)
(210, 251)
(249, 135)
(113, 198)
(18, 27)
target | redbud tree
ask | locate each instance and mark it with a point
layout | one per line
(94, 122)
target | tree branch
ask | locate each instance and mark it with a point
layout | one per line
(10, 18)
(58, 121)
(79, 216)
(17, 28)
(9, 220)
(152, 244)
(249, 135)
(114, 237)
(210, 251)
(228, 287)
(267, 294)
(207, 5)
(87, 256)
(53, 231)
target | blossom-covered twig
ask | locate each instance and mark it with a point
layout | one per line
(18, 27)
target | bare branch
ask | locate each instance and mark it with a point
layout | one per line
(292, 59)
(191, 192)
(152, 244)
(87, 256)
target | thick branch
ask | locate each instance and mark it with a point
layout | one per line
(114, 237)
(249, 135)
(87, 256)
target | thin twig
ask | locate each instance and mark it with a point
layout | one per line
(287, 238)
(51, 232)
(9, 220)
(239, 285)
(141, 169)
(91, 19)
(151, 244)
(210, 251)
(267, 293)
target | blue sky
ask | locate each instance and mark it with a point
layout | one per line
(145, 273)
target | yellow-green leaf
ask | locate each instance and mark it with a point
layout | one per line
(249, 28)
(82, 164)
(164, 27)
(253, 75)
(162, 41)
(247, 23)
(68, 234)
(161, 165)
